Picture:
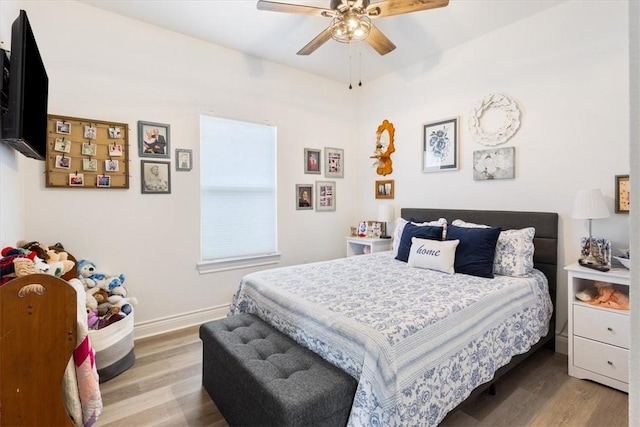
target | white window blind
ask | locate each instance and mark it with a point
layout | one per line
(237, 189)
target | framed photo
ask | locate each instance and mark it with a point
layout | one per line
(62, 145)
(184, 159)
(440, 146)
(76, 179)
(384, 189)
(103, 181)
(156, 177)
(63, 128)
(495, 163)
(89, 149)
(111, 165)
(325, 196)
(153, 139)
(304, 197)
(312, 161)
(622, 194)
(333, 162)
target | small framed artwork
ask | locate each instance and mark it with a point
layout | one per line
(312, 161)
(62, 145)
(104, 181)
(115, 150)
(63, 128)
(184, 159)
(440, 146)
(153, 139)
(111, 165)
(325, 196)
(90, 165)
(156, 177)
(63, 162)
(333, 162)
(622, 194)
(304, 197)
(89, 149)
(495, 163)
(115, 132)
(76, 179)
(384, 189)
(90, 132)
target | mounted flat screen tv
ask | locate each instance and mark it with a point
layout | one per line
(24, 110)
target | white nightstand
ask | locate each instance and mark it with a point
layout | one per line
(598, 336)
(364, 245)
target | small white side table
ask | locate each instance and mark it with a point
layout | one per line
(598, 336)
(365, 245)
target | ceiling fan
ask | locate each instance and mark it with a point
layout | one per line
(351, 19)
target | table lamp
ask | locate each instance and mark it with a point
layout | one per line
(590, 204)
(385, 215)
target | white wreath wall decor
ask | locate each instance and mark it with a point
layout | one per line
(508, 128)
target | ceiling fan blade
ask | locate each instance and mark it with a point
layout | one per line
(314, 44)
(398, 7)
(293, 8)
(379, 41)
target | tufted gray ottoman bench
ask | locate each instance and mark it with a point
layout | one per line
(256, 376)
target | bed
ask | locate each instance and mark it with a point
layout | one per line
(419, 341)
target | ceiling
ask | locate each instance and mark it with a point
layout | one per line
(275, 36)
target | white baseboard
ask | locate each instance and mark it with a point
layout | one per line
(180, 321)
(562, 344)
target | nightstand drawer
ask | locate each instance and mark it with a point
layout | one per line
(601, 325)
(603, 359)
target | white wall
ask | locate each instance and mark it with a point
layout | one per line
(111, 68)
(571, 83)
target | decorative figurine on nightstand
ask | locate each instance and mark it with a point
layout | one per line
(362, 229)
(595, 253)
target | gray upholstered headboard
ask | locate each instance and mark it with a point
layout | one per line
(545, 257)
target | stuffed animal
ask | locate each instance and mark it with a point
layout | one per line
(58, 262)
(125, 305)
(91, 278)
(610, 297)
(40, 250)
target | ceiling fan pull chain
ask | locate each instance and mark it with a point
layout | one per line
(350, 71)
(360, 68)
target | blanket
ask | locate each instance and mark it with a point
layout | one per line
(418, 341)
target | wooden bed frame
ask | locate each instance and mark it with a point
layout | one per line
(545, 258)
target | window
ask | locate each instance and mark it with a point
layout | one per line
(238, 194)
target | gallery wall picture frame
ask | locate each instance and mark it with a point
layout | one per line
(385, 189)
(333, 162)
(312, 163)
(184, 160)
(88, 146)
(154, 139)
(440, 146)
(325, 196)
(155, 177)
(622, 194)
(494, 163)
(304, 197)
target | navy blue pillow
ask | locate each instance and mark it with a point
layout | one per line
(423, 232)
(476, 250)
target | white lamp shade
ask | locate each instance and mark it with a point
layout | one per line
(590, 204)
(385, 213)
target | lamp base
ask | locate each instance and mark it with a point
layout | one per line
(593, 264)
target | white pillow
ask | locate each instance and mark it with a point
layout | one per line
(433, 254)
(514, 250)
(401, 222)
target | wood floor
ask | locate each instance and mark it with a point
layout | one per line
(164, 388)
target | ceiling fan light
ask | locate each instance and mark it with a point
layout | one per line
(352, 28)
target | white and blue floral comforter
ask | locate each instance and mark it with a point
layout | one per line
(418, 341)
